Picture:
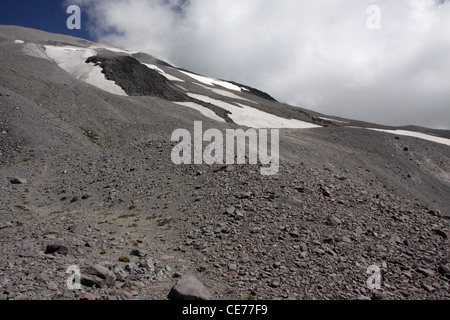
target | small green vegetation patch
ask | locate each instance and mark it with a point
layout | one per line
(90, 134)
(124, 259)
(126, 216)
(163, 222)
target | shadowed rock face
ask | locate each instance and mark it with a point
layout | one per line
(255, 92)
(136, 79)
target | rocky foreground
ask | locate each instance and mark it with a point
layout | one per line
(134, 229)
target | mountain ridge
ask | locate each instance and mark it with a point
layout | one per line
(97, 178)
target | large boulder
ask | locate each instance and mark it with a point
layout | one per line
(189, 288)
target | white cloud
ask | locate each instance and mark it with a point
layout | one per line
(312, 53)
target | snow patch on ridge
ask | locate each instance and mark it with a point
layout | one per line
(109, 48)
(253, 118)
(416, 135)
(166, 75)
(224, 93)
(211, 81)
(229, 94)
(203, 110)
(73, 60)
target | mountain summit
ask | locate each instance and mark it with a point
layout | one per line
(88, 183)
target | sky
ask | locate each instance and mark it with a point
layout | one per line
(46, 15)
(381, 61)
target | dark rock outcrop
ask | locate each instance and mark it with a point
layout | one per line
(136, 79)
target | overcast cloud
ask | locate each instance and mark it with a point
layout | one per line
(317, 54)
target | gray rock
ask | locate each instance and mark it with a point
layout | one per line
(189, 288)
(9, 290)
(223, 168)
(88, 296)
(138, 253)
(26, 254)
(426, 272)
(303, 254)
(76, 251)
(395, 239)
(18, 181)
(6, 225)
(255, 230)
(130, 267)
(83, 227)
(318, 251)
(294, 234)
(52, 286)
(428, 287)
(245, 195)
(66, 294)
(43, 277)
(274, 283)
(299, 189)
(120, 273)
(291, 201)
(244, 257)
(239, 215)
(103, 273)
(125, 294)
(148, 264)
(92, 281)
(378, 296)
(292, 296)
(334, 221)
(106, 264)
(230, 210)
(327, 193)
(161, 274)
(4, 281)
(441, 233)
(52, 248)
(445, 270)
(232, 267)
